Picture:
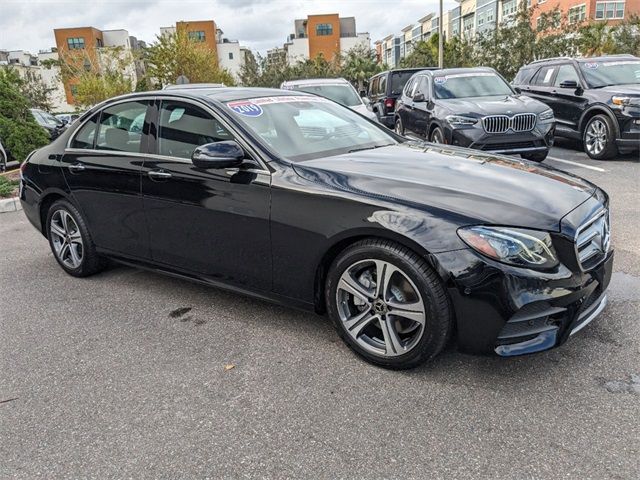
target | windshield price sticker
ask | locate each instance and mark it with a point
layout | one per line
(246, 108)
(440, 80)
(591, 65)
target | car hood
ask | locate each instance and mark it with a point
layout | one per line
(472, 186)
(363, 110)
(632, 89)
(493, 105)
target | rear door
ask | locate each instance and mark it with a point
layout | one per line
(211, 222)
(102, 167)
(542, 84)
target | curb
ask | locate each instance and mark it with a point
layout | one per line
(10, 205)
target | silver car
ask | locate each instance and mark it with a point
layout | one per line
(337, 89)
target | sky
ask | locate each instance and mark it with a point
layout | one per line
(259, 25)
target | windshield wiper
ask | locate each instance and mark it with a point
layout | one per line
(370, 148)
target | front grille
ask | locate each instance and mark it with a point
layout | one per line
(507, 146)
(521, 122)
(593, 239)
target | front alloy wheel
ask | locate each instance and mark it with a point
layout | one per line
(437, 136)
(388, 304)
(380, 308)
(599, 141)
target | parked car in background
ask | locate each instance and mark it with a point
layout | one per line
(384, 90)
(4, 158)
(68, 118)
(595, 100)
(474, 108)
(49, 122)
(402, 246)
(337, 89)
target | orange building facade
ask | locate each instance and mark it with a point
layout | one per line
(324, 35)
(204, 31)
(577, 11)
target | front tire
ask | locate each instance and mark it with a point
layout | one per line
(71, 242)
(388, 304)
(535, 157)
(599, 138)
(437, 135)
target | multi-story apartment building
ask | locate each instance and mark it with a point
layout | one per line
(35, 68)
(612, 12)
(88, 42)
(326, 35)
(230, 53)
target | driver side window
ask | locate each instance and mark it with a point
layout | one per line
(183, 127)
(566, 72)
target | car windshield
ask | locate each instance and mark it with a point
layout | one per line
(465, 85)
(399, 80)
(343, 94)
(603, 74)
(306, 127)
(49, 119)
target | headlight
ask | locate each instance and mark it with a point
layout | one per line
(459, 121)
(620, 100)
(546, 116)
(514, 246)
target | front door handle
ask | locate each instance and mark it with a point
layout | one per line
(159, 175)
(76, 167)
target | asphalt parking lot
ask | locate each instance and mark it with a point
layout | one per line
(128, 374)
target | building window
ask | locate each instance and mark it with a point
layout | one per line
(510, 8)
(76, 43)
(467, 24)
(323, 29)
(197, 36)
(578, 13)
(609, 10)
(230, 55)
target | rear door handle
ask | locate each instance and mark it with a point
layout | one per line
(159, 175)
(77, 167)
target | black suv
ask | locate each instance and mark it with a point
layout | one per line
(474, 108)
(384, 90)
(595, 100)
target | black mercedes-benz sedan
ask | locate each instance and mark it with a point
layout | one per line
(474, 108)
(296, 199)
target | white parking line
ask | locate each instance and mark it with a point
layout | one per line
(597, 169)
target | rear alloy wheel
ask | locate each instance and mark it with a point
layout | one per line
(437, 136)
(387, 304)
(70, 241)
(599, 138)
(399, 128)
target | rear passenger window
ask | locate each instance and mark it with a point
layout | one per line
(183, 127)
(544, 76)
(86, 136)
(121, 127)
(382, 89)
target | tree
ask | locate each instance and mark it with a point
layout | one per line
(36, 91)
(97, 75)
(250, 70)
(176, 54)
(19, 131)
(359, 65)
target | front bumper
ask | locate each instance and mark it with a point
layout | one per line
(629, 126)
(514, 311)
(538, 140)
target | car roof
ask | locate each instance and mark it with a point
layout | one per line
(221, 94)
(194, 85)
(415, 69)
(316, 81)
(601, 58)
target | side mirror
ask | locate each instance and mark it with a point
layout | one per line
(363, 93)
(569, 84)
(518, 90)
(419, 97)
(218, 155)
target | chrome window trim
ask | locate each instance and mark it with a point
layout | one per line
(253, 150)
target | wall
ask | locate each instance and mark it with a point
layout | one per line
(327, 45)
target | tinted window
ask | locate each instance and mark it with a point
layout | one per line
(408, 89)
(620, 72)
(566, 72)
(120, 127)
(183, 127)
(398, 81)
(463, 85)
(382, 89)
(86, 136)
(524, 76)
(544, 76)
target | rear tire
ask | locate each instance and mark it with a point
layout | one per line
(71, 242)
(598, 138)
(535, 157)
(400, 325)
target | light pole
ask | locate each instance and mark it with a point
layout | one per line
(440, 40)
